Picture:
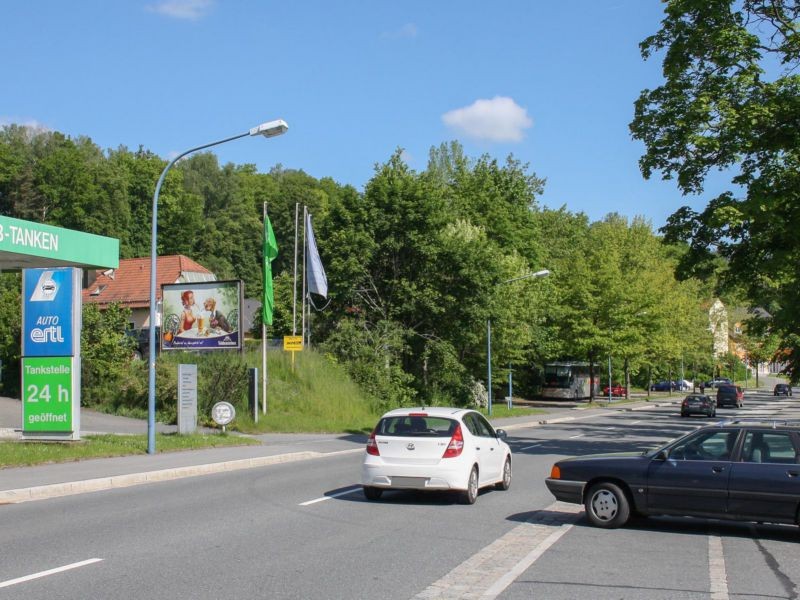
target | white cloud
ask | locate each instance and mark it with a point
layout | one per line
(409, 30)
(31, 124)
(189, 10)
(497, 120)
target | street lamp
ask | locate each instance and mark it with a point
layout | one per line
(268, 129)
(542, 273)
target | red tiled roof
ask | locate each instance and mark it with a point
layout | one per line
(129, 285)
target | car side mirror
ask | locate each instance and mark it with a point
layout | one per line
(501, 434)
(661, 455)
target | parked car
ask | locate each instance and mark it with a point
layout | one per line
(683, 385)
(617, 389)
(699, 404)
(141, 341)
(435, 449)
(730, 394)
(782, 389)
(739, 470)
(715, 383)
(662, 386)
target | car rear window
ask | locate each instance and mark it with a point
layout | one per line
(727, 388)
(416, 426)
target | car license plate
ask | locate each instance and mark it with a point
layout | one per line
(410, 482)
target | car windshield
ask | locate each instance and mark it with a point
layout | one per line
(416, 426)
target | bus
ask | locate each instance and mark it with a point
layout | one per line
(568, 380)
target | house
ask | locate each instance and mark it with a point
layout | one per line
(129, 285)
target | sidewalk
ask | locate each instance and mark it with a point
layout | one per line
(22, 484)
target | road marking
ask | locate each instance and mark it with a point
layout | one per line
(572, 437)
(716, 569)
(329, 496)
(490, 571)
(529, 447)
(41, 574)
(635, 422)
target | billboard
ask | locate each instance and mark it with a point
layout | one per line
(202, 316)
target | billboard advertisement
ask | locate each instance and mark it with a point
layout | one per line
(49, 314)
(202, 316)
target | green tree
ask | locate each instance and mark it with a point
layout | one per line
(731, 102)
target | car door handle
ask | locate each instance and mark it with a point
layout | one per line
(792, 473)
(717, 469)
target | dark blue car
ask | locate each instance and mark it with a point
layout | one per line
(663, 386)
(743, 471)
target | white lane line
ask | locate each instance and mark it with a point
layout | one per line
(716, 569)
(529, 447)
(41, 574)
(491, 570)
(572, 437)
(329, 496)
(501, 584)
(635, 422)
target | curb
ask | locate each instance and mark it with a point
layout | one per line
(58, 490)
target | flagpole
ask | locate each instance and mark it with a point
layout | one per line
(264, 343)
(303, 305)
(294, 285)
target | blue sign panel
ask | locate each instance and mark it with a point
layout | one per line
(48, 313)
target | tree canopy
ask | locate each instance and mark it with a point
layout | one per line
(730, 102)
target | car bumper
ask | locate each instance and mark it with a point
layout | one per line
(415, 477)
(697, 410)
(566, 491)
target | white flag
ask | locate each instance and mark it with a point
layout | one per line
(315, 272)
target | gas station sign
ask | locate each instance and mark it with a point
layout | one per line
(51, 358)
(48, 392)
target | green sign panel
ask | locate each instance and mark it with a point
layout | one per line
(48, 390)
(27, 244)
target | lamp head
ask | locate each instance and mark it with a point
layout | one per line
(270, 128)
(542, 273)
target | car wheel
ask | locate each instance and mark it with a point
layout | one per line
(372, 493)
(506, 481)
(606, 506)
(469, 495)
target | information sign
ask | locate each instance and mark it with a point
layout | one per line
(48, 398)
(292, 343)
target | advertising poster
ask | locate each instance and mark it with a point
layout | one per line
(201, 316)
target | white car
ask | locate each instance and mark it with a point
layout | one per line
(435, 449)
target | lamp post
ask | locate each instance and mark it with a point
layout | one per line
(268, 129)
(542, 273)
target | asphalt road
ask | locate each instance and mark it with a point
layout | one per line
(304, 531)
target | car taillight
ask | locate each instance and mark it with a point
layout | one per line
(372, 445)
(555, 472)
(456, 444)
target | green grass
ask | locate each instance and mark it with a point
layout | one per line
(313, 396)
(500, 411)
(26, 453)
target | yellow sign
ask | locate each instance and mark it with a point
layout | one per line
(293, 343)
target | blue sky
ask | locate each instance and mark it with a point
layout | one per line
(551, 82)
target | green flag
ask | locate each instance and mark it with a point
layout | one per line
(270, 252)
